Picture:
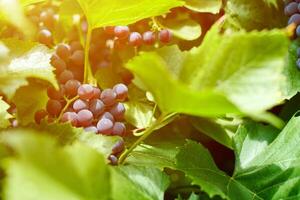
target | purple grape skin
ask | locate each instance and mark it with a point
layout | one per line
(71, 87)
(121, 32)
(92, 129)
(108, 97)
(165, 36)
(135, 39)
(97, 107)
(118, 147)
(119, 129)
(85, 91)
(118, 111)
(121, 91)
(291, 8)
(113, 160)
(149, 38)
(108, 115)
(79, 105)
(105, 126)
(85, 118)
(97, 93)
(71, 117)
(295, 18)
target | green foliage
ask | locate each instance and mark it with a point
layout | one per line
(212, 6)
(118, 12)
(4, 115)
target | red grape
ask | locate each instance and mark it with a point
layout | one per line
(54, 107)
(121, 32)
(107, 115)
(118, 147)
(85, 118)
(59, 65)
(77, 58)
(91, 129)
(45, 37)
(65, 76)
(71, 117)
(71, 87)
(54, 94)
(108, 96)
(79, 105)
(105, 126)
(165, 36)
(135, 39)
(121, 91)
(118, 111)
(149, 38)
(40, 115)
(63, 51)
(119, 129)
(97, 107)
(86, 92)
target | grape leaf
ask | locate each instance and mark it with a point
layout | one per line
(29, 2)
(4, 115)
(41, 169)
(26, 60)
(267, 164)
(255, 14)
(119, 12)
(211, 6)
(27, 105)
(140, 183)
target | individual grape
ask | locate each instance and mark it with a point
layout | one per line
(295, 18)
(45, 37)
(54, 94)
(86, 92)
(135, 39)
(149, 38)
(107, 115)
(113, 159)
(108, 96)
(71, 87)
(119, 129)
(165, 36)
(121, 91)
(118, 147)
(103, 64)
(77, 58)
(63, 51)
(105, 126)
(291, 9)
(298, 31)
(97, 93)
(79, 105)
(97, 107)
(127, 76)
(59, 65)
(75, 46)
(92, 129)
(71, 117)
(298, 52)
(298, 63)
(47, 17)
(40, 115)
(109, 30)
(65, 76)
(118, 111)
(85, 118)
(54, 107)
(121, 32)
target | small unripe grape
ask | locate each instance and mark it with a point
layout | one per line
(107, 115)
(40, 115)
(118, 147)
(118, 111)
(135, 39)
(45, 37)
(92, 129)
(86, 92)
(97, 107)
(121, 32)
(119, 129)
(54, 107)
(149, 38)
(105, 126)
(65, 76)
(85, 118)
(54, 94)
(165, 36)
(121, 91)
(71, 87)
(59, 65)
(79, 105)
(63, 51)
(71, 117)
(77, 58)
(108, 96)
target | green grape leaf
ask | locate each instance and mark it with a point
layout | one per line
(119, 12)
(4, 115)
(44, 170)
(267, 164)
(27, 105)
(140, 183)
(210, 6)
(26, 60)
(255, 14)
(139, 111)
(29, 2)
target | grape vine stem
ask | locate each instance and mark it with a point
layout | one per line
(69, 102)
(88, 74)
(156, 125)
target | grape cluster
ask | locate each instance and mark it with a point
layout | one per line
(292, 10)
